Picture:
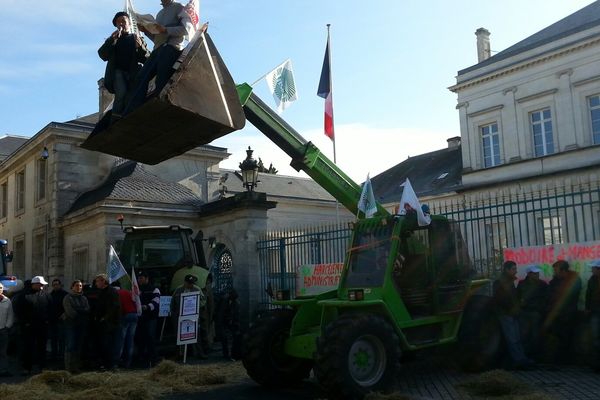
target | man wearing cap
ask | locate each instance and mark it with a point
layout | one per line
(172, 26)
(189, 285)
(147, 322)
(507, 309)
(592, 307)
(34, 324)
(533, 295)
(124, 53)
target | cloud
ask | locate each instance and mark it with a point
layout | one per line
(361, 149)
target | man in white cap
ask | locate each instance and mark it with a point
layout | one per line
(592, 306)
(533, 295)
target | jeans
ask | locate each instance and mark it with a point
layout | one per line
(512, 335)
(530, 323)
(3, 349)
(128, 326)
(121, 86)
(110, 344)
(147, 339)
(159, 64)
(74, 336)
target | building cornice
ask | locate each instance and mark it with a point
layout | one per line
(529, 63)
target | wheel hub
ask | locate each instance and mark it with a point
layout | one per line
(367, 360)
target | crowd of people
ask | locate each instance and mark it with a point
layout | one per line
(539, 319)
(99, 326)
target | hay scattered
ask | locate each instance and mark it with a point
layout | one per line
(500, 384)
(167, 377)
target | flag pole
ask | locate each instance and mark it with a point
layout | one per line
(337, 203)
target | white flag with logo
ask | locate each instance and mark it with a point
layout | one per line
(115, 269)
(282, 86)
(367, 202)
(410, 202)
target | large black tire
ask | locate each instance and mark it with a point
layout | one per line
(480, 340)
(264, 357)
(357, 354)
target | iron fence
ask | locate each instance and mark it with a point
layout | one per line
(488, 223)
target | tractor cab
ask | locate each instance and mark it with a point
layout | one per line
(198, 105)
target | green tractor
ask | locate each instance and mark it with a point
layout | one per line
(404, 287)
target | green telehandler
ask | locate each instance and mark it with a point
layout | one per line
(403, 288)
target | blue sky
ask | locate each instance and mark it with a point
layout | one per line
(392, 62)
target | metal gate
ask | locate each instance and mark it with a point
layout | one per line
(221, 268)
(488, 223)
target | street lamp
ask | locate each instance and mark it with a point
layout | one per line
(249, 168)
(44, 155)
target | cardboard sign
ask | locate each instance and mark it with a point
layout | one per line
(187, 330)
(190, 304)
(164, 308)
(312, 279)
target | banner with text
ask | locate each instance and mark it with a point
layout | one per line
(579, 256)
(312, 279)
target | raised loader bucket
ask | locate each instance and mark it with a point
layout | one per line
(198, 105)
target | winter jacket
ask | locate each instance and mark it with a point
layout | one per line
(592, 295)
(533, 295)
(6, 313)
(506, 301)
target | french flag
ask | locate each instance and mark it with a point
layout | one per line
(325, 91)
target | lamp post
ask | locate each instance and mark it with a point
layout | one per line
(249, 168)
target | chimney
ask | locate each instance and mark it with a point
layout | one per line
(453, 142)
(104, 98)
(483, 44)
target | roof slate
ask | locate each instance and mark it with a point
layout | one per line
(581, 20)
(131, 182)
(8, 145)
(425, 172)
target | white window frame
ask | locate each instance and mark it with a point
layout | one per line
(18, 263)
(595, 135)
(4, 199)
(492, 136)
(80, 263)
(20, 191)
(552, 229)
(41, 179)
(38, 252)
(542, 123)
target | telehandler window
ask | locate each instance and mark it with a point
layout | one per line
(369, 256)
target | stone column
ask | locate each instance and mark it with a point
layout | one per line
(238, 222)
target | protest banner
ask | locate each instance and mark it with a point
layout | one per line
(312, 279)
